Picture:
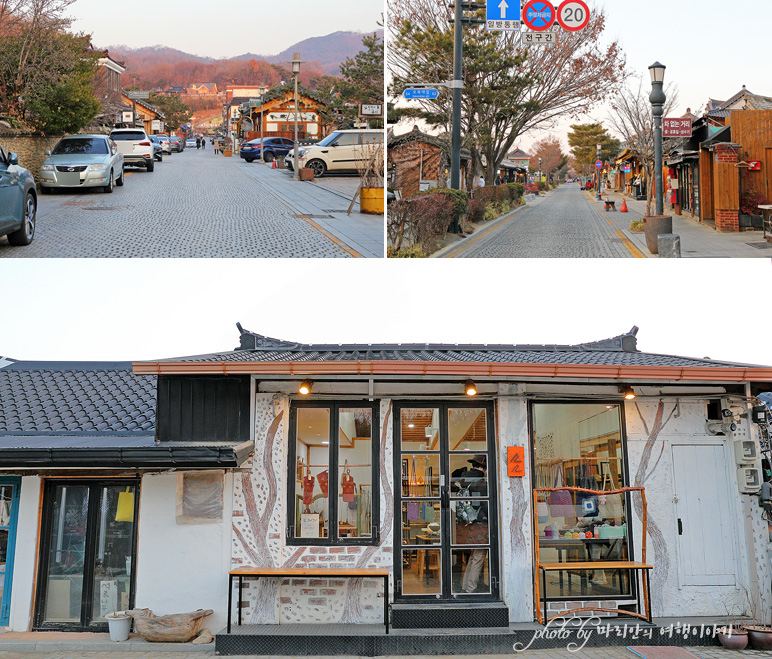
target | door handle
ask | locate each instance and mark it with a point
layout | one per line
(680, 527)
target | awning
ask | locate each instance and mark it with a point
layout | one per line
(59, 450)
(685, 156)
(512, 167)
(722, 136)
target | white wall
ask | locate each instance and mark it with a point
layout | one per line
(182, 567)
(26, 555)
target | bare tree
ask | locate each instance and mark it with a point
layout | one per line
(633, 120)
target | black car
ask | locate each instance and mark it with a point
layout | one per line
(18, 201)
(274, 147)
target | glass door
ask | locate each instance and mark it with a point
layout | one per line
(446, 503)
(87, 553)
(9, 509)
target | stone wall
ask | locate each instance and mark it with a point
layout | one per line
(30, 149)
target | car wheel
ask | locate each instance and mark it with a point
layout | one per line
(249, 159)
(26, 231)
(109, 187)
(318, 166)
(269, 156)
(150, 166)
(119, 182)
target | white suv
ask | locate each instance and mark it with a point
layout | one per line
(340, 151)
(135, 145)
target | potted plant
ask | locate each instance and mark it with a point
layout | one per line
(750, 215)
(119, 625)
(371, 190)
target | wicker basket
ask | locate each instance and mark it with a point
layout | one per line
(177, 628)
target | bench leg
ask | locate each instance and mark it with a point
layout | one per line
(386, 602)
(241, 584)
(230, 600)
(544, 591)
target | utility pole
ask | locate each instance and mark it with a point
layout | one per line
(599, 147)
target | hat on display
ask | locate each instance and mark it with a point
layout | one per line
(480, 459)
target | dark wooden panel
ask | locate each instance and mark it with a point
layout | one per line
(203, 408)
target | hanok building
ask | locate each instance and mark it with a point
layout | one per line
(150, 117)
(146, 484)
(514, 168)
(276, 111)
(418, 162)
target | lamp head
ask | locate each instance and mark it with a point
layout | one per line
(296, 62)
(657, 73)
(305, 388)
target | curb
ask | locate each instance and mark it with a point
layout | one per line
(101, 646)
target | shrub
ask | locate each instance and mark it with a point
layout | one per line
(458, 197)
(515, 190)
(750, 202)
(475, 212)
(636, 226)
(430, 218)
(413, 252)
(530, 188)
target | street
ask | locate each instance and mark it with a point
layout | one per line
(198, 204)
(570, 223)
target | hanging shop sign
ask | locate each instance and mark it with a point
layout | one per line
(573, 15)
(371, 110)
(754, 166)
(515, 461)
(676, 127)
(539, 15)
(502, 15)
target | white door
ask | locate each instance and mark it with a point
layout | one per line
(704, 524)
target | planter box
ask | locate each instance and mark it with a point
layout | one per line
(371, 201)
(228, 153)
(653, 227)
(306, 174)
(751, 221)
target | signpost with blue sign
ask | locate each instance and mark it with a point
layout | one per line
(599, 164)
(502, 15)
(421, 93)
(538, 15)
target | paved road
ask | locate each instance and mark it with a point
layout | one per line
(569, 223)
(198, 204)
(562, 224)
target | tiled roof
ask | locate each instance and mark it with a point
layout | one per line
(78, 397)
(616, 351)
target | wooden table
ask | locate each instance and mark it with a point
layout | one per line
(299, 572)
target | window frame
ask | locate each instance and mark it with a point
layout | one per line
(624, 597)
(332, 539)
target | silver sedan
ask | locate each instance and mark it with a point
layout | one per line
(82, 161)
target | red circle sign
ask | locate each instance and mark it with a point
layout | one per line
(573, 15)
(539, 15)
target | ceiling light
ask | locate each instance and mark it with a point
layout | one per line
(325, 442)
(627, 392)
(305, 388)
(411, 425)
(470, 388)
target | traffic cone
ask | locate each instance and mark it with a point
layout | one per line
(623, 207)
(273, 164)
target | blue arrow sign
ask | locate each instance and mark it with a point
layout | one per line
(421, 93)
(503, 10)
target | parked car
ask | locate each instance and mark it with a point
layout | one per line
(158, 152)
(84, 161)
(18, 201)
(339, 152)
(274, 147)
(190, 143)
(136, 146)
(177, 143)
(166, 144)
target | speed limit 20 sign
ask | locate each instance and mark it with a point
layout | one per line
(573, 15)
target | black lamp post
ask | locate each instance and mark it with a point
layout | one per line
(539, 169)
(599, 148)
(657, 99)
(296, 62)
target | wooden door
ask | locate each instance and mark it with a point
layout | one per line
(706, 530)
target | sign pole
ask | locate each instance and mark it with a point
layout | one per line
(455, 142)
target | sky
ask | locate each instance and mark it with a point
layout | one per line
(208, 29)
(707, 56)
(141, 309)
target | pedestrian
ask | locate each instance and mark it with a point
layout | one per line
(198, 142)
(481, 181)
(203, 142)
(215, 144)
(498, 180)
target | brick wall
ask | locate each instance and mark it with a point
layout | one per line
(727, 221)
(30, 149)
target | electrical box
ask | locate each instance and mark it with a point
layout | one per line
(748, 480)
(746, 451)
(760, 414)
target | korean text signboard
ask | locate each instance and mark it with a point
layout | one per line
(502, 15)
(539, 38)
(421, 93)
(676, 128)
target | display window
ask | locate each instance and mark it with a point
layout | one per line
(581, 445)
(333, 476)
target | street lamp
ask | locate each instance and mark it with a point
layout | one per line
(540, 170)
(657, 99)
(296, 62)
(599, 148)
(262, 143)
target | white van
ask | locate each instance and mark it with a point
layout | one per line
(338, 152)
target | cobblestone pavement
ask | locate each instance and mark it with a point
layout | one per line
(198, 204)
(569, 223)
(587, 653)
(562, 224)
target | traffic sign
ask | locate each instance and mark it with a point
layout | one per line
(599, 164)
(502, 15)
(539, 15)
(421, 93)
(539, 38)
(573, 15)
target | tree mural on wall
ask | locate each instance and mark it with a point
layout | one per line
(657, 538)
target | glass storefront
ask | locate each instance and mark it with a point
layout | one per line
(581, 445)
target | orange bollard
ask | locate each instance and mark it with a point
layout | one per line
(623, 207)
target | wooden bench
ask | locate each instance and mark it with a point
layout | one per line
(307, 572)
(643, 568)
(610, 204)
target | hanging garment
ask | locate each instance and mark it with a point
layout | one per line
(560, 503)
(308, 489)
(323, 479)
(348, 486)
(412, 511)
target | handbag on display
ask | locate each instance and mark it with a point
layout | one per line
(543, 511)
(348, 486)
(589, 501)
(560, 503)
